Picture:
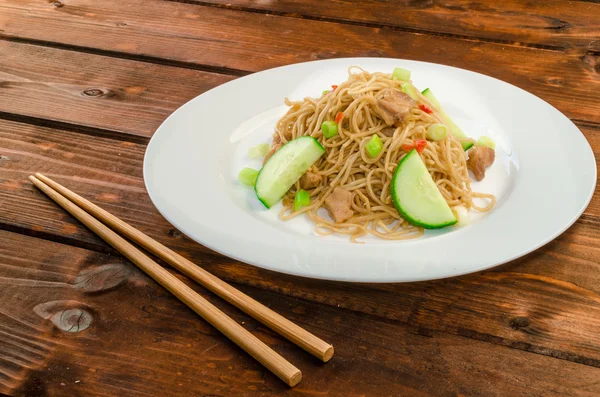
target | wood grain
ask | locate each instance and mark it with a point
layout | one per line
(506, 306)
(140, 341)
(220, 38)
(553, 23)
(95, 91)
(25, 149)
(105, 74)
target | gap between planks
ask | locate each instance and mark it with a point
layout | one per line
(127, 56)
(76, 128)
(342, 21)
(416, 329)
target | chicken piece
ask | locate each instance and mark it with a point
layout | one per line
(394, 105)
(480, 157)
(338, 203)
(310, 180)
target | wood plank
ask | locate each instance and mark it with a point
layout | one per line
(556, 289)
(95, 91)
(221, 38)
(75, 322)
(551, 23)
(26, 149)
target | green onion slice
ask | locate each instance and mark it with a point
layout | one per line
(259, 151)
(437, 132)
(374, 146)
(401, 74)
(248, 176)
(329, 128)
(486, 141)
(410, 90)
(301, 200)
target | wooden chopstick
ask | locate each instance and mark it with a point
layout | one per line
(257, 310)
(239, 335)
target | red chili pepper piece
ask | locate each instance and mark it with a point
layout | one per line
(420, 145)
(425, 108)
(334, 86)
(339, 116)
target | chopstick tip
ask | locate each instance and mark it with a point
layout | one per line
(32, 178)
(328, 354)
(295, 379)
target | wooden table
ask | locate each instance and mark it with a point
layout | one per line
(85, 83)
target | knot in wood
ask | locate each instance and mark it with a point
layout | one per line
(149, 309)
(66, 315)
(93, 92)
(555, 81)
(557, 24)
(57, 4)
(591, 62)
(72, 320)
(173, 233)
(102, 278)
(519, 322)
(324, 55)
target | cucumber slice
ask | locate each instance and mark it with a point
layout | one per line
(416, 196)
(285, 167)
(456, 131)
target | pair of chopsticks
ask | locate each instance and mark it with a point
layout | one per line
(99, 221)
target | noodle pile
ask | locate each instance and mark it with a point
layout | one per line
(347, 164)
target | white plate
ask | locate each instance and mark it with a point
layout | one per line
(543, 177)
